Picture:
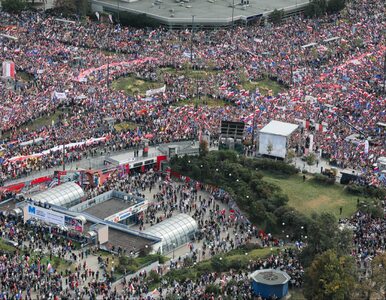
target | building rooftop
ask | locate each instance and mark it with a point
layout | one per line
(270, 277)
(279, 128)
(108, 208)
(205, 11)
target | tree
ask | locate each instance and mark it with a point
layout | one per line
(269, 148)
(80, 7)
(335, 5)
(374, 285)
(324, 234)
(290, 155)
(203, 148)
(311, 158)
(276, 16)
(13, 6)
(330, 277)
(316, 8)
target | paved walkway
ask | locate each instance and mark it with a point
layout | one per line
(94, 162)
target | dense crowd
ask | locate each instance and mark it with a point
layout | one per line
(334, 91)
(335, 88)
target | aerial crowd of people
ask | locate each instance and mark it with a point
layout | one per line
(332, 66)
(331, 72)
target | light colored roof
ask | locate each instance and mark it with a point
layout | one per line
(205, 11)
(171, 230)
(279, 128)
(60, 195)
(270, 277)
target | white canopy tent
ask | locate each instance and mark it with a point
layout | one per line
(273, 138)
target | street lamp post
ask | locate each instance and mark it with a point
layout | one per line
(63, 153)
(191, 41)
(119, 19)
(384, 74)
(233, 11)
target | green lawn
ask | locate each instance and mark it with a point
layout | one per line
(190, 73)
(132, 85)
(125, 126)
(59, 265)
(6, 247)
(40, 122)
(308, 197)
(264, 86)
(296, 294)
(24, 76)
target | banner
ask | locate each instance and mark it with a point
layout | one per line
(60, 96)
(132, 210)
(9, 69)
(82, 77)
(52, 217)
(155, 91)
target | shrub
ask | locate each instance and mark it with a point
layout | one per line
(204, 267)
(219, 264)
(274, 166)
(372, 207)
(14, 6)
(323, 179)
(238, 262)
(212, 289)
(276, 16)
(145, 251)
(311, 159)
(153, 277)
(251, 246)
(366, 191)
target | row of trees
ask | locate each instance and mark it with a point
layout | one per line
(265, 202)
(81, 8)
(331, 271)
(13, 6)
(315, 8)
(65, 7)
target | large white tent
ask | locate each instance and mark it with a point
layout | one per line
(273, 138)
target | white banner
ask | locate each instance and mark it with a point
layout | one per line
(45, 215)
(367, 146)
(49, 216)
(122, 215)
(60, 96)
(155, 91)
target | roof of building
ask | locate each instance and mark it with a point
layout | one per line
(279, 128)
(172, 229)
(60, 195)
(270, 277)
(205, 11)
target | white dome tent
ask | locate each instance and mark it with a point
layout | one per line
(66, 195)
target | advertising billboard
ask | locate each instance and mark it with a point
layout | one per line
(124, 214)
(52, 217)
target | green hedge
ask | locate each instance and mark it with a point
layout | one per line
(242, 178)
(275, 166)
(323, 179)
(366, 191)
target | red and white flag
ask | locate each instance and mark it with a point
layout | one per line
(9, 69)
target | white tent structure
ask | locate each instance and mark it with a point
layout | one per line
(273, 138)
(66, 194)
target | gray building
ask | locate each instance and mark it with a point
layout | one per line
(203, 13)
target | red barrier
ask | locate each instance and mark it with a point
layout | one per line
(41, 180)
